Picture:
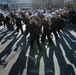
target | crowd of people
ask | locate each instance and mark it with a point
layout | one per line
(39, 23)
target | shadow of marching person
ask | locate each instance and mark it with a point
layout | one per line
(8, 37)
(40, 64)
(70, 33)
(2, 30)
(3, 33)
(31, 59)
(71, 28)
(65, 67)
(20, 64)
(70, 38)
(31, 62)
(50, 64)
(69, 49)
(8, 49)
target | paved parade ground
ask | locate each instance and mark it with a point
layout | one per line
(16, 57)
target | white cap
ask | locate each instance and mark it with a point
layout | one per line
(26, 14)
(8, 13)
(60, 9)
(56, 10)
(42, 10)
(53, 13)
(33, 15)
(45, 14)
(49, 15)
(16, 14)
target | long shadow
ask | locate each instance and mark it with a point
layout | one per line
(65, 69)
(3, 33)
(51, 60)
(41, 64)
(73, 28)
(8, 49)
(70, 38)
(1, 30)
(31, 63)
(48, 59)
(69, 31)
(70, 54)
(35, 65)
(9, 37)
(20, 64)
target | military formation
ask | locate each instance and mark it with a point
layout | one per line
(39, 23)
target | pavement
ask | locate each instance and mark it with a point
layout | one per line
(16, 57)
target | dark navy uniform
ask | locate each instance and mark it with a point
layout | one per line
(54, 26)
(46, 31)
(18, 24)
(1, 18)
(26, 21)
(34, 34)
(59, 24)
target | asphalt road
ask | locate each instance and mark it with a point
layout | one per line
(16, 57)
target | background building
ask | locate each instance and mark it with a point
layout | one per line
(36, 4)
(15, 4)
(27, 4)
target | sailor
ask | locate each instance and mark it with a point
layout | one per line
(34, 32)
(46, 30)
(18, 22)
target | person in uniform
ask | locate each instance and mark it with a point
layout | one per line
(4, 18)
(59, 22)
(26, 21)
(63, 16)
(10, 21)
(46, 30)
(1, 18)
(54, 24)
(18, 22)
(7, 21)
(34, 32)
